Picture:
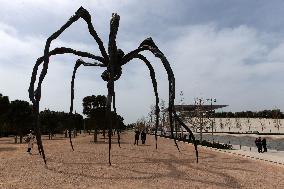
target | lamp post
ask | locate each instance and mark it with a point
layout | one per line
(199, 113)
(211, 111)
(181, 112)
(162, 104)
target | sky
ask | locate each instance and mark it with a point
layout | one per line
(225, 49)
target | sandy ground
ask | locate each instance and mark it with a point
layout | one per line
(132, 166)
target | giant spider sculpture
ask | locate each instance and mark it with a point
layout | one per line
(112, 60)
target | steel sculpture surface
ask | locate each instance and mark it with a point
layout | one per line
(113, 59)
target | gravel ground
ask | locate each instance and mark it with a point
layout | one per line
(132, 166)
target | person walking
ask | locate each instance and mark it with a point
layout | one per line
(30, 140)
(137, 133)
(263, 143)
(258, 144)
(143, 136)
(184, 137)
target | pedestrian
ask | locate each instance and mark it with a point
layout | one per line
(258, 144)
(184, 137)
(30, 140)
(189, 138)
(143, 136)
(137, 133)
(263, 143)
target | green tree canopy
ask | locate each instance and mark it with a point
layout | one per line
(56, 122)
(94, 107)
(4, 104)
(20, 117)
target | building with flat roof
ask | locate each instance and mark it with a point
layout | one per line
(195, 107)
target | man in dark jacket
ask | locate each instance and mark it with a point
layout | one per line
(263, 142)
(143, 137)
(137, 133)
(258, 144)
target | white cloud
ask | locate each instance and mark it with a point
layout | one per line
(235, 65)
(240, 64)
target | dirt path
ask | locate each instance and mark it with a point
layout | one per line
(132, 166)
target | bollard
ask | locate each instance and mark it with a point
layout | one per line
(240, 146)
(249, 148)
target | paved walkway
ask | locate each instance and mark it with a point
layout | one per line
(272, 156)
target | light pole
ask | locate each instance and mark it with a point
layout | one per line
(162, 104)
(199, 113)
(211, 111)
(181, 112)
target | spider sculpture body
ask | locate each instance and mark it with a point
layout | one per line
(112, 60)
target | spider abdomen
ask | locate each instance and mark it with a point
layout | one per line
(117, 73)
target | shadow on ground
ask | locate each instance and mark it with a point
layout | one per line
(7, 149)
(175, 169)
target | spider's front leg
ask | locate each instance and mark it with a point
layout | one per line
(80, 13)
(57, 51)
(35, 95)
(79, 62)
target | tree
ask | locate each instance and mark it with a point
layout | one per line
(4, 104)
(94, 107)
(56, 122)
(48, 120)
(88, 104)
(20, 117)
(4, 108)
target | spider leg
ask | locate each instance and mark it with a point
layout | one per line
(38, 133)
(80, 13)
(112, 50)
(149, 45)
(60, 50)
(79, 62)
(34, 95)
(108, 114)
(188, 130)
(116, 121)
(154, 82)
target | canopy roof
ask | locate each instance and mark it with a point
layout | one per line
(191, 108)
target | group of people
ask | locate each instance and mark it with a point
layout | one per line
(261, 145)
(143, 137)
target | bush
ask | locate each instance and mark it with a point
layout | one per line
(206, 143)
(215, 145)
